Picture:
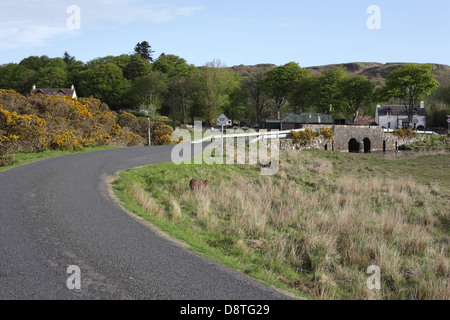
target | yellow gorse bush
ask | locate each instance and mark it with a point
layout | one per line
(302, 137)
(403, 133)
(37, 122)
(327, 133)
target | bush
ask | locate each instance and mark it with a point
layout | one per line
(302, 137)
(327, 133)
(160, 134)
(404, 133)
(24, 132)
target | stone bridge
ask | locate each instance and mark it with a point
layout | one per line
(359, 138)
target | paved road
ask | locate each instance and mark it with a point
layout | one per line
(57, 212)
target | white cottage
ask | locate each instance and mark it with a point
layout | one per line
(396, 116)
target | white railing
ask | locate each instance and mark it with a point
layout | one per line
(258, 136)
(418, 132)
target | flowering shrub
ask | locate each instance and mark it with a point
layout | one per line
(327, 133)
(160, 134)
(37, 122)
(21, 132)
(303, 137)
(364, 120)
(62, 140)
(127, 120)
(403, 133)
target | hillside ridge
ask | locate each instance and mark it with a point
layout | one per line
(375, 71)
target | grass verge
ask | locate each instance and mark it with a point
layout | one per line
(316, 226)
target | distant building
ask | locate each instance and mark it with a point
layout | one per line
(56, 91)
(396, 116)
(297, 120)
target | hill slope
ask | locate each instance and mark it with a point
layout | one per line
(376, 72)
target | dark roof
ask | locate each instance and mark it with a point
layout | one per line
(272, 121)
(399, 110)
(305, 118)
(54, 91)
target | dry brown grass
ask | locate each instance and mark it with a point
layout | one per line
(318, 232)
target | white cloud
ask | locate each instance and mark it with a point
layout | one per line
(25, 23)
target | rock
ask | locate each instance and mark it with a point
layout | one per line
(197, 185)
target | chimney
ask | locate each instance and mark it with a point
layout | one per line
(422, 104)
(73, 87)
(34, 87)
(331, 109)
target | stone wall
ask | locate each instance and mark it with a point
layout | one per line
(368, 138)
(320, 143)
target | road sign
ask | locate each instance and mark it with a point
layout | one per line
(416, 121)
(222, 120)
(448, 120)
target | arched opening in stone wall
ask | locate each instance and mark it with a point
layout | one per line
(326, 147)
(384, 145)
(353, 146)
(367, 145)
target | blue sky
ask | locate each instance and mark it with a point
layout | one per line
(245, 32)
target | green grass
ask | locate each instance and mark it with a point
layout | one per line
(432, 142)
(26, 157)
(315, 227)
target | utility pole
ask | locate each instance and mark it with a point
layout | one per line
(149, 133)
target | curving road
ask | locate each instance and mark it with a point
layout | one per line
(57, 212)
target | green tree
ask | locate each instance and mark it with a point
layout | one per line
(356, 93)
(437, 105)
(106, 82)
(411, 83)
(52, 77)
(144, 50)
(328, 91)
(304, 95)
(280, 82)
(217, 83)
(259, 101)
(150, 89)
(136, 67)
(35, 63)
(173, 65)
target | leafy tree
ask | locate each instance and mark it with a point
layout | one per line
(409, 84)
(279, 83)
(150, 89)
(217, 83)
(106, 82)
(52, 77)
(35, 63)
(303, 95)
(258, 99)
(136, 67)
(173, 65)
(17, 77)
(238, 102)
(120, 61)
(74, 70)
(356, 93)
(437, 105)
(144, 50)
(328, 91)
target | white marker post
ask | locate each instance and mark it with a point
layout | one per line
(222, 120)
